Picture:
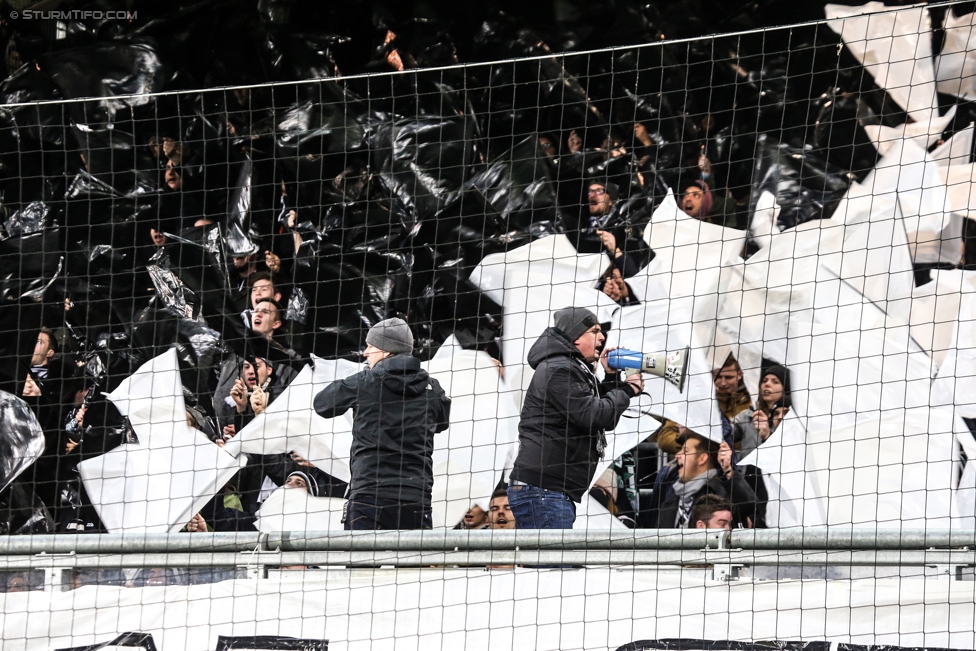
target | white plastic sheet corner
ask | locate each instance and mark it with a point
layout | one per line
(290, 424)
(293, 509)
(159, 483)
(895, 48)
(471, 457)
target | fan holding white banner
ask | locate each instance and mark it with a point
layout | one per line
(159, 483)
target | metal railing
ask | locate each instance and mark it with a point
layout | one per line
(722, 551)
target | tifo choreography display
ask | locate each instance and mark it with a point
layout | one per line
(170, 335)
(618, 305)
(415, 326)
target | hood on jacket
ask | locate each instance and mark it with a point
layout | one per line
(402, 375)
(551, 343)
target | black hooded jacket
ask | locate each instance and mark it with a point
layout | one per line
(397, 409)
(563, 418)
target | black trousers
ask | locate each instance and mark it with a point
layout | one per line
(370, 513)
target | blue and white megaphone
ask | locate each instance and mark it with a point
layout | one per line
(671, 366)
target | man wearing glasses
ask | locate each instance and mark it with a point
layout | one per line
(266, 318)
(626, 253)
(564, 417)
(600, 197)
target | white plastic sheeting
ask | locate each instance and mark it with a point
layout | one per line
(891, 468)
(289, 424)
(955, 68)
(950, 301)
(470, 457)
(896, 49)
(159, 483)
(478, 610)
(532, 282)
(293, 509)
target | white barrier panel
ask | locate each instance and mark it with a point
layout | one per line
(480, 610)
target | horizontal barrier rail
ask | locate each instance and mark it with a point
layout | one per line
(721, 551)
(851, 538)
(616, 557)
(799, 539)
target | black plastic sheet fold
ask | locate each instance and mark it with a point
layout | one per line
(687, 644)
(143, 641)
(31, 219)
(269, 642)
(23, 512)
(421, 163)
(127, 71)
(21, 438)
(804, 185)
(519, 185)
(28, 263)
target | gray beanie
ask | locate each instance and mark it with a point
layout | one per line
(574, 321)
(392, 336)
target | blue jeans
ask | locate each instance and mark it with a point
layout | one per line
(538, 508)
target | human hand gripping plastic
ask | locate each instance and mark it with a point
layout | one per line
(725, 458)
(609, 241)
(761, 422)
(196, 524)
(259, 400)
(239, 394)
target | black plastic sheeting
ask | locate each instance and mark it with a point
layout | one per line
(688, 644)
(142, 641)
(21, 438)
(145, 642)
(372, 196)
(270, 642)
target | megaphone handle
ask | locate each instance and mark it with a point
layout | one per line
(631, 372)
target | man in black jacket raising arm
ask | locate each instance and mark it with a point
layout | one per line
(564, 417)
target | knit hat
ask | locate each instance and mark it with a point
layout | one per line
(310, 482)
(391, 336)
(574, 321)
(782, 374)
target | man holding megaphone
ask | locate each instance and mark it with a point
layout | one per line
(564, 416)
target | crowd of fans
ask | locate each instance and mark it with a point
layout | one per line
(255, 226)
(634, 489)
(252, 227)
(263, 318)
(698, 484)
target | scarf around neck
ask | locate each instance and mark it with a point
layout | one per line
(686, 492)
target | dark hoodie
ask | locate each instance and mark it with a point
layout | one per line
(563, 418)
(397, 409)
